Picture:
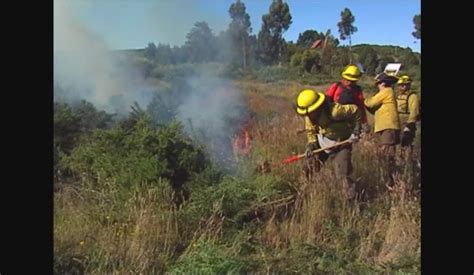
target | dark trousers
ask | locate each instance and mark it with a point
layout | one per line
(342, 157)
(388, 140)
(406, 143)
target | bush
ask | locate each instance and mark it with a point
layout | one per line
(275, 73)
(295, 59)
(67, 127)
(169, 72)
(138, 154)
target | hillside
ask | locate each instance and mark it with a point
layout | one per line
(124, 209)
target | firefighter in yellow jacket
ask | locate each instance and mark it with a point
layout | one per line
(326, 123)
(408, 112)
(387, 124)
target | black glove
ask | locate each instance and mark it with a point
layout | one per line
(310, 147)
(408, 135)
(407, 138)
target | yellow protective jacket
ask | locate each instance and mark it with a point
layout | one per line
(408, 107)
(384, 107)
(336, 121)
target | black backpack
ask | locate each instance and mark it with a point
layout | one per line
(348, 95)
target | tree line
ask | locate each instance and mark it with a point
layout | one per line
(244, 52)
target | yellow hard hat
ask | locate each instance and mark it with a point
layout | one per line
(351, 72)
(308, 101)
(404, 79)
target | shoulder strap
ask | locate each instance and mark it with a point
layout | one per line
(406, 107)
(357, 88)
(347, 94)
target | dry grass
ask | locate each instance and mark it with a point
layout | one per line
(99, 231)
(381, 230)
(108, 231)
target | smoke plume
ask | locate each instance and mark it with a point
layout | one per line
(85, 67)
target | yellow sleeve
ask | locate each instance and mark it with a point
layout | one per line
(311, 130)
(413, 107)
(345, 112)
(374, 102)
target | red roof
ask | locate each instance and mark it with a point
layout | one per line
(316, 44)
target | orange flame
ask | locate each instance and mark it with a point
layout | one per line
(241, 144)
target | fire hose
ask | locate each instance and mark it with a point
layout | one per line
(298, 157)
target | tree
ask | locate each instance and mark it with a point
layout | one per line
(368, 58)
(164, 105)
(329, 39)
(67, 127)
(408, 58)
(179, 54)
(289, 50)
(327, 55)
(200, 43)
(327, 59)
(346, 28)
(307, 38)
(309, 60)
(228, 52)
(295, 60)
(266, 45)
(252, 48)
(90, 118)
(146, 66)
(239, 29)
(150, 51)
(277, 21)
(164, 54)
(417, 22)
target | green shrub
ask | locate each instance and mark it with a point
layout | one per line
(207, 257)
(138, 154)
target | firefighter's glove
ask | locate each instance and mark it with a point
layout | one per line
(355, 133)
(354, 138)
(310, 147)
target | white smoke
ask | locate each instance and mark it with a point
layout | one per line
(212, 113)
(84, 67)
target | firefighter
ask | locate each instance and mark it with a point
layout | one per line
(346, 91)
(387, 125)
(326, 123)
(408, 112)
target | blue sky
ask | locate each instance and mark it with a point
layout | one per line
(131, 24)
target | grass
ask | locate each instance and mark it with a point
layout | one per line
(249, 222)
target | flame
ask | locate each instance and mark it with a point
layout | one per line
(241, 144)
